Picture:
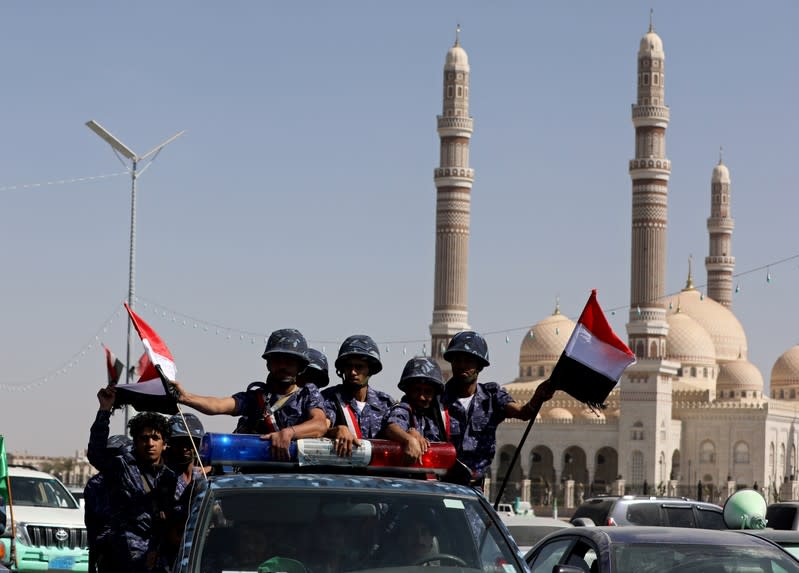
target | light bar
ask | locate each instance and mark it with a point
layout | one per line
(249, 450)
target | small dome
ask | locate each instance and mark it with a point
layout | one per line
(720, 174)
(545, 341)
(739, 375)
(457, 59)
(786, 369)
(651, 44)
(720, 323)
(688, 342)
(559, 414)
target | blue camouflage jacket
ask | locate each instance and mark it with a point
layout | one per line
(426, 422)
(474, 432)
(134, 520)
(295, 410)
(370, 419)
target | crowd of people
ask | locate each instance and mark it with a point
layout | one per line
(136, 525)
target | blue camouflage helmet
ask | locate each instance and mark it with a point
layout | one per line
(318, 361)
(287, 341)
(178, 428)
(422, 369)
(118, 443)
(362, 346)
(468, 342)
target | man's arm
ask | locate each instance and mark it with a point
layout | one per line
(210, 405)
(411, 446)
(527, 411)
(98, 434)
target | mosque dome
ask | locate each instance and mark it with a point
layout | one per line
(545, 341)
(560, 414)
(739, 375)
(720, 174)
(651, 43)
(786, 369)
(457, 58)
(720, 323)
(688, 342)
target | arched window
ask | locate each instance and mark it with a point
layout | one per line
(771, 459)
(529, 370)
(781, 462)
(741, 453)
(693, 371)
(707, 452)
(637, 467)
(637, 432)
(540, 370)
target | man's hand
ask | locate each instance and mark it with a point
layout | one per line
(424, 443)
(177, 391)
(413, 449)
(544, 392)
(106, 396)
(280, 443)
(343, 440)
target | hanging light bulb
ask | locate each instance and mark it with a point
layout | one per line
(768, 276)
(404, 350)
(507, 340)
(613, 313)
(738, 288)
(671, 305)
(638, 310)
(532, 333)
(557, 330)
(701, 296)
(424, 350)
(387, 349)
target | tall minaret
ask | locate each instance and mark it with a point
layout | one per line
(453, 180)
(649, 171)
(720, 263)
(646, 387)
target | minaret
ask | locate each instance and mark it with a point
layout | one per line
(453, 180)
(646, 387)
(650, 172)
(720, 263)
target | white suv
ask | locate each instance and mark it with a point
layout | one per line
(49, 527)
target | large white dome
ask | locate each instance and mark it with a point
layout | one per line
(545, 341)
(688, 342)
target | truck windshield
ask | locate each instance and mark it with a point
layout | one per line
(331, 531)
(38, 492)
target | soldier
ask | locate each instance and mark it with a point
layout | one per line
(476, 409)
(316, 372)
(418, 418)
(97, 504)
(353, 408)
(143, 492)
(279, 409)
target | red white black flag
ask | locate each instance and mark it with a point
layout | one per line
(594, 358)
(113, 365)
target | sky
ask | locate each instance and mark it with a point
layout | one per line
(302, 194)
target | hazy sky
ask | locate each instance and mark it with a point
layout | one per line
(302, 194)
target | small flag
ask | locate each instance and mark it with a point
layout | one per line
(113, 365)
(594, 358)
(150, 392)
(3, 484)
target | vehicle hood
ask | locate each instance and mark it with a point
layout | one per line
(47, 515)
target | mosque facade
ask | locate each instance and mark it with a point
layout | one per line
(690, 417)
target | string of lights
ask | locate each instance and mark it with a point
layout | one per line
(251, 337)
(61, 182)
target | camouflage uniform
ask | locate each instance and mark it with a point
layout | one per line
(134, 520)
(370, 419)
(474, 433)
(296, 410)
(428, 422)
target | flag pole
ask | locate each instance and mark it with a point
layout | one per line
(536, 409)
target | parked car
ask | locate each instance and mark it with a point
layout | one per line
(788, 539)
(48, 523)
(643, 549)
(646, 510)
(527, 530)
(783, 515)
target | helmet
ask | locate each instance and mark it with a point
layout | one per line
(422, 369)
(195, 430)
(363, 346)
(468, 342)
(287, 341)
(118, 443)
(318, 361)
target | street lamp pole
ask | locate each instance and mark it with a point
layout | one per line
(122, 150)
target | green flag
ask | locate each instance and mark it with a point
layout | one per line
(3, 469)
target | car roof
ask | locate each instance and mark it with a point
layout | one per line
(665, 535)
(777, 535)
(16, 471)
(294, 480)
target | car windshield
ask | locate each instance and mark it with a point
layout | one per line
(332, 531)
(40, 492)
(695, 558)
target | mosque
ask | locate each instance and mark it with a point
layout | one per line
(690, 417)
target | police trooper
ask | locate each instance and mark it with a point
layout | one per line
(353, 408)
(476, 409)
(143, 492)
(317, 370)
(278, 409)
(418, 419)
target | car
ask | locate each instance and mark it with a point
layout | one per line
(783, 515)
(324, 514)
(651, 549)
(788, 539)
(527, 530)
(649, 510)
(48, 524)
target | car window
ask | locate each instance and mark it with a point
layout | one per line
(708, 518)
(549, 555)
(330, 531)
(643, 514)
(781, 516)
(38, 492)
(676, 516)
(597, 511)
(582, 555)
(699, 558)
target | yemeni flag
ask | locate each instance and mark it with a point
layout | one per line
(594, 358)
(151, 392)
(113, 365)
